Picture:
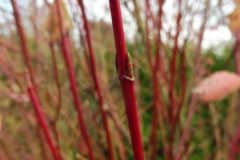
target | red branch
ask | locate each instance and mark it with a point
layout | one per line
(96, 79)
(234, 145)
(236, 53)
(33, 89)
(66, 51)
(183, 82)
(57, 81)
(124, 69)
(173, 63)
(184, 139)
(59, 92)
(182, 76)
(22, 37)
(185, 136)
(158, 109)
(42, 122)
(147, 39)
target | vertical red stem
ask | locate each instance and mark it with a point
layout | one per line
(147, 28)
(183, 82)
(42, 122)
(236, 53)
(96, 80)
(193, 102)
(65, 46)
(22, 37)
(234, 145)
(155, 65)
(173, 63)
(59, 96)
(182, 146)
(57, 81)
(32, 90)
(127, 85)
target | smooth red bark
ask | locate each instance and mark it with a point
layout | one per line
(95, 77)
(127, 84)
(234, 145)
(183, 82)
(234, 148)
(66, 51)
(156, 66)
(59, 92)
(172, 77)
(184, 139)
(173, 63)
(43, 123)
(236, 53)
(23, 41)
(33, 89)
(147, 32)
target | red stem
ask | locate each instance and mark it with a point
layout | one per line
(96, 79)
(127, 85)
(33, 89)
(182, 76)
(182, 146)
(147, 38)
(42, 123)
(59, 93)
(183, 82)
(158, 64)
(66, 51)
(173, 63)
(236, 53)
(192, 106)
(22, 37)
(158, 42)
(57, 81)
(158, 110)
(234, 145)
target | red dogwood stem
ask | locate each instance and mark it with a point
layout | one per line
(173, 63)
(33, 88)
(157, 66)
(236, 53)
(124, 69)
(172, 77)
(147, 28)
(183, 81)
(66, 51)
(42, 123)
(22, 37)
(234, 146)
(95, 77)
(185, 137)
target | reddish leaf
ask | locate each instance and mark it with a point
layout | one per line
(217, 86)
